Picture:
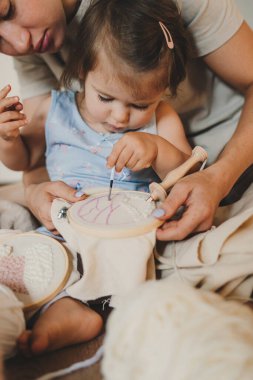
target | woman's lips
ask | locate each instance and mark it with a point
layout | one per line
(44, 43)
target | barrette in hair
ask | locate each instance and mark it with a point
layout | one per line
(167, 35)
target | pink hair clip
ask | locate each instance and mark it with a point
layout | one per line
(167, 35)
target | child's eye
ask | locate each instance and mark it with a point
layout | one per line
(104, 98)
(141, 107)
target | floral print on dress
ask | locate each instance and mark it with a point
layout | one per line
(78, 154)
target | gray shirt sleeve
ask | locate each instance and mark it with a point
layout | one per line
(36, 76)
(211, 22)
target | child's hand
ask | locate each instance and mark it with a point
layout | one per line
(11, 118)
(135, 150)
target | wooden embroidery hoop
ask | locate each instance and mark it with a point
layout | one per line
(158, 192)
(61, 263)
(142, 226)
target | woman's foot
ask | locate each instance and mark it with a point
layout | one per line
(66, 322)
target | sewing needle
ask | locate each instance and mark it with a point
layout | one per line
(111, 183)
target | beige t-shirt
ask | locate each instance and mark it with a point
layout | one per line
(209, 108)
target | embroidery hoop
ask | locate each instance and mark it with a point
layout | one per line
(76, 215)
(61, 263)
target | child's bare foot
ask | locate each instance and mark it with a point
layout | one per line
(64, 323)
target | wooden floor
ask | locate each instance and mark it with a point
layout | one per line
(20, 368)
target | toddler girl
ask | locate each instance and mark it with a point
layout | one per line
(127, 54)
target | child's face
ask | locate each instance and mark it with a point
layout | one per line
(108, 105)
(28, 27)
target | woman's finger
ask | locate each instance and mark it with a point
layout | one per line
(11, 128)
(5, 91)
(11, 116)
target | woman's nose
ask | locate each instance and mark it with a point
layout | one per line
(17, 39)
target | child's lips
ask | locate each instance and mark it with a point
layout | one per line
(114, 128)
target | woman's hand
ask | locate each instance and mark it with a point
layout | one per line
(135, 150)
(39, 198)
(11, 118)
(200, 195)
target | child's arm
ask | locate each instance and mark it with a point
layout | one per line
(164, 152)
(13, 152)
(170, 128)
(23, 149)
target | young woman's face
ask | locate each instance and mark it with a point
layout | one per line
(108, 105)
(31, 26)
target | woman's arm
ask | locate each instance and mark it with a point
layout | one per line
(233, 62)
(202, 192)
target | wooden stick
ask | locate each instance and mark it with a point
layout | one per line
(158, 191)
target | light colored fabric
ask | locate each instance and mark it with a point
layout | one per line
(169, 330)
(14, 216)
(76, 154)
(219, 260)
(211, 22)
(111, 266)
(12, 321)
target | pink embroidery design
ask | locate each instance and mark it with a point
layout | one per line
(12, 273)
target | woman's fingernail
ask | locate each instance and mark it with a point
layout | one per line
(158, 213)
(79, 194)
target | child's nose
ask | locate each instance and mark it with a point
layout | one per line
(121, 114)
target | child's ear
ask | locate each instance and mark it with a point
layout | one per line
(167, 95)
(81, 75)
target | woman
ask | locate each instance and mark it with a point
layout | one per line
(215, 101)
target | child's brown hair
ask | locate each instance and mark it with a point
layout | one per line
(130, 33)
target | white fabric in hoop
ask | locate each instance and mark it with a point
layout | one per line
(112, 266)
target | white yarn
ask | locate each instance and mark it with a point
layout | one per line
(15, 216)
(167, 330)
(12, 321)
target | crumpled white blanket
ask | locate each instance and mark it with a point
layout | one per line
(16, 217)
(219, 260)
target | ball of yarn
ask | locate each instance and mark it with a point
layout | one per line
(12, 321)
(170, 331)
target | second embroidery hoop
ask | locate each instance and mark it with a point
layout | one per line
(25, 274)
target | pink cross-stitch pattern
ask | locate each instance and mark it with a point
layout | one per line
(94, 211)
(12, 273)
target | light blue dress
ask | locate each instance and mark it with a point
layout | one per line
(76, 154)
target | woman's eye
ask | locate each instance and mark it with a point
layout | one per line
(104, 99)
